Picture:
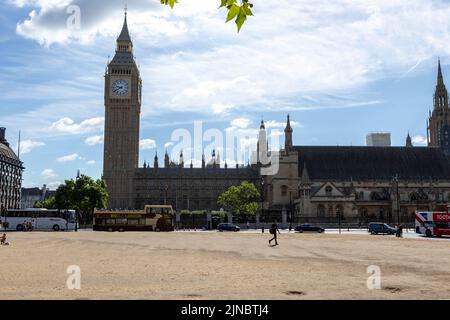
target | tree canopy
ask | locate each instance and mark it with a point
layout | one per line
(83, 194)
(240, 200)
(238, 10)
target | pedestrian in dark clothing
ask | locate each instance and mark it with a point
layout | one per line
(400, 231)
(262, 229)
(273, 230)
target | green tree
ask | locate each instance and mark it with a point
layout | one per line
(240, 200)
(238, 10)
(83, 194)
(49, 203)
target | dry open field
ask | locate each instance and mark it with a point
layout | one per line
(212, 265)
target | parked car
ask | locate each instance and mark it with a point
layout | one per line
(306, 227)
(228, 227)
(379, 227)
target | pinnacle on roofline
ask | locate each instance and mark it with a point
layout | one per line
(124, 34)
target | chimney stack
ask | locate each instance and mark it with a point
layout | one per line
(3, 136)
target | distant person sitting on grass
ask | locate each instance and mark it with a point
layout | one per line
(273, 230)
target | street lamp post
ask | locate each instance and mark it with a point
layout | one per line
(398, 200)
(290, 210)
(338, 213)
(165, 194)
(261, 196)
(3, 214)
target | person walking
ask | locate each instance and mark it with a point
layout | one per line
(273, 230)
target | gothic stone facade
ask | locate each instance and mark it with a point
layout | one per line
(362, 184)
(312, 184)
(188, 188)
(11, 169)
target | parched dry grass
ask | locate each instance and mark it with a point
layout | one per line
(210, 265)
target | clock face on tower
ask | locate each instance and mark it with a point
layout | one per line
(120, 87)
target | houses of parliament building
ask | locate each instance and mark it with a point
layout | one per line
(313, 183)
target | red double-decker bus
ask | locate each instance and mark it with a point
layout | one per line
(433, 223)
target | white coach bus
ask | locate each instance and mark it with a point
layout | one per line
(40, 219)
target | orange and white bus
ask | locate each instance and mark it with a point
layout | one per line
(152, 218)
(432, 223)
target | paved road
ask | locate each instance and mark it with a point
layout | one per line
(408, 234)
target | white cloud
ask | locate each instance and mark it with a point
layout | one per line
(219, 108)
(48, 174)
(69, 158)
(168, 145)
(94, 140)
(91, 162)
(68, 126)
(146, 144)
(315, 47)
(241, 123)
(26, 146)
(278, 124)
(53, 185)
(48, 22)
(419, 140)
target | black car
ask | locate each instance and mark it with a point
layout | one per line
(380, 227)
(228, 227)
(306, 227)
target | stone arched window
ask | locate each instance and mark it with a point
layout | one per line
(374, 196)
(363, 212)
(321, 210)
(330, 210)
(328, 191)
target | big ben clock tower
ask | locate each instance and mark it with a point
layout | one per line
(122, 113)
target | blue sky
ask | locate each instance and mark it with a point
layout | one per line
(341, 68)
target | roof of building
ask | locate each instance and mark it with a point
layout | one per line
(8, 156)
(123, 58)
(373, 163)
(31, 192)
(7, 152)
(124, 34)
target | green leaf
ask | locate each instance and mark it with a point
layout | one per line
(171, 3)
(223, 3)
(240, 20)
(233, 12)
